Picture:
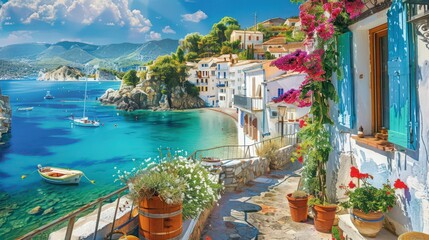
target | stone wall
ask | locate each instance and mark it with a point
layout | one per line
(282, 158)
(236, 173)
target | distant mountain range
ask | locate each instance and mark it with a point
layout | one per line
(33, 57)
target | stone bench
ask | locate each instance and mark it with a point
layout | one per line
(351, 233)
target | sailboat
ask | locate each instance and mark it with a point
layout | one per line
(85, 121)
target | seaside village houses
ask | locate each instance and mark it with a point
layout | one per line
(384, 87)
(383, 91)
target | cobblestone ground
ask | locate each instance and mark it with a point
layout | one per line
(268, 210)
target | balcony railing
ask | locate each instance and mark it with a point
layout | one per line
(371, 7)
(248, 103)
(220, 85)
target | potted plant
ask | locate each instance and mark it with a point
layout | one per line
(368, 203)
(159, 196)
(322, 22)
(201, 191)
(298, 205)
(174, 187)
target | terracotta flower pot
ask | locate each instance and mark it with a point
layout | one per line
(159, 220)
(324, 217)
(368, 224)
(298, 208)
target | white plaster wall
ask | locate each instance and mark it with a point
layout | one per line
(259, 78)
(412, 210)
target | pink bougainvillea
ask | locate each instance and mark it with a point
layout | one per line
(293, 97)
(354, 7)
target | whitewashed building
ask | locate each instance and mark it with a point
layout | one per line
(247, 38)
(385, 85)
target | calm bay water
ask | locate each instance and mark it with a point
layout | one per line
(45, 136)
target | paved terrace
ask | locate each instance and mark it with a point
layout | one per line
(268, 195)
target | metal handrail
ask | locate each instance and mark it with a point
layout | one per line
(71, 217)
(232, 152)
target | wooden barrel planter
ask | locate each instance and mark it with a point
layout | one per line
(368, 224)
(159, 220)
(324, 217)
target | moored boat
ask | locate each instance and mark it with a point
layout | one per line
(56, 175)
(48, 95)
(85, 122)
(24, 109)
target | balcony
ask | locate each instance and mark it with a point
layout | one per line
(248, 103)
(219, 85)
(372, 7)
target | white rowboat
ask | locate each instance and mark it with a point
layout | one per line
(23, 109)
(56, 175)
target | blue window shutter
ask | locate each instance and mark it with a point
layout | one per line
(399, 74)
(241, 118)
(345, 81)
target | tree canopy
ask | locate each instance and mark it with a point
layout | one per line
(130, 78)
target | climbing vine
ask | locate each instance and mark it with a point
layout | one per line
(322, 21)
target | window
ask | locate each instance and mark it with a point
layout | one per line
(280, 92)
(257, 38)
(218, 67)
(206, 89)
(273, 113)
(379, 78)
(222, 98)
(206, 80)
(224, 74)
(197, 81)
(250, 37)
(239, 38)
(218, 74)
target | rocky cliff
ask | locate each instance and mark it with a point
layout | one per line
(5, 115)
(101, 75)
(149, 96)
(64, 73)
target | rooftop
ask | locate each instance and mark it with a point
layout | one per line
(275, 41)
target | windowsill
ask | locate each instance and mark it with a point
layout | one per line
(380, 144)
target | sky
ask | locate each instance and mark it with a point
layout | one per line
(117, 21)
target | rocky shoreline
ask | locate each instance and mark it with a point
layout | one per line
(148, 95)
(5, 115)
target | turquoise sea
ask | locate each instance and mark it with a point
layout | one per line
(45, 136)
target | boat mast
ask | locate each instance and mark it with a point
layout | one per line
(84, 96)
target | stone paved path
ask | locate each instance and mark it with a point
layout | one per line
(266, 194)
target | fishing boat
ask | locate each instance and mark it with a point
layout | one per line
(48, 95)
(25, 109)
(56, 175)
(85, 121)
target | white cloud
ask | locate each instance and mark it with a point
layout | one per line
(85, 12)
(16, 37)
(168, 30)
(154, 36)
(194, 17)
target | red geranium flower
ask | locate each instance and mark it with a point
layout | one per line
(300, 159)
(364, 175)
(302, 123)
(400, 184)
(352, 185)
(388, 193)
(354, 172)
